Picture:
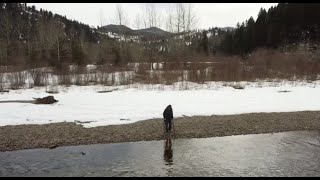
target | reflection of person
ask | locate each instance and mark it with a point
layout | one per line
(168, 116)
(167, 155)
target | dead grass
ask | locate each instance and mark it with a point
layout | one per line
(1, 82)
(39, 77)
(64, 76)
(237, 86)
(17, 79)
(261, 64)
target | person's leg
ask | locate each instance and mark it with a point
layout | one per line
(169, 125)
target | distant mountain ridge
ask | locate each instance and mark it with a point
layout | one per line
(122, 29)
(227, 28)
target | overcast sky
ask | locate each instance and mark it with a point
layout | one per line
(208, 14)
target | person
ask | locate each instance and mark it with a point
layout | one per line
(168, 116)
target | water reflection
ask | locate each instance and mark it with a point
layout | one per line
(168, 154)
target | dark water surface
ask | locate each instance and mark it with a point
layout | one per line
(280, 154)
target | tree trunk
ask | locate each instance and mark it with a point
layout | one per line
(28, 42)
(7, 51)
(58, 51)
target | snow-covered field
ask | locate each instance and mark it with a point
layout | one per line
(133, 103)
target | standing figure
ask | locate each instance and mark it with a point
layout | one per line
(168, 116)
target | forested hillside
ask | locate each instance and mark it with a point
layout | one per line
(29, 36)
(280, 26)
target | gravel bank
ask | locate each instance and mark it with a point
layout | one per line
(64, 134)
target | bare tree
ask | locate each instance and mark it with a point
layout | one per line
(137, 22)
(191, 18)
(169, 22)
(102, 19)
(44, 34)
(19, 27)
(149, 14)
(56, 34)
(145, 18)
(152, 16)
(159, 19)
(178, 18)
(120, 15)
(181, 18)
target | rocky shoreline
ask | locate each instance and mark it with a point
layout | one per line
(66, 134)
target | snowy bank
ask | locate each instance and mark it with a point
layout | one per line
(132, 104)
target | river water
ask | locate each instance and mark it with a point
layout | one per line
(295, 153)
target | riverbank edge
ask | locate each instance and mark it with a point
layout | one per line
(69, 134)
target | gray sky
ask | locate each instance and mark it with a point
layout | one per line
(208, 14)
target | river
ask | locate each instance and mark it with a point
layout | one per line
(295, 153)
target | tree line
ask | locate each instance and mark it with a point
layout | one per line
(278, 27)
(38, 38)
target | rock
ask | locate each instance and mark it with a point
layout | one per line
(53, 146)
(106, 91)
(45, 100)
(124, 119)
(285, 91)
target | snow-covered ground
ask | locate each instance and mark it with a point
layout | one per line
(134, 103)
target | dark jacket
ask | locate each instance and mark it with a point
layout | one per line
(167, 113)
